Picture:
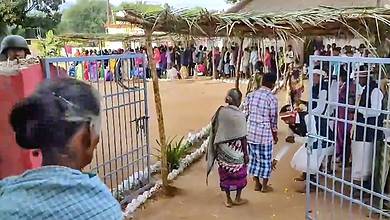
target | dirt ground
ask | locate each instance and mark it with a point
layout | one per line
(189, 105)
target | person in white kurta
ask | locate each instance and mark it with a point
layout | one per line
(365, 137)
(172, 73)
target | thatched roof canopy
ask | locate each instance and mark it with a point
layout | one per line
(106, 37)
(321, 21)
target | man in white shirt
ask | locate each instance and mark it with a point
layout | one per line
(245, 62)
(232, 63)
(370, 97)
(290, 56)
(254, 58)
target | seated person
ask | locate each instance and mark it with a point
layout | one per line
(301, 128)
(295, 119)
(296, 105)
(173, 73)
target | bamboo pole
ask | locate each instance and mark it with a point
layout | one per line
(214, 68)
(258, 50)
(276, 59)
(159, 111)
(238, 69)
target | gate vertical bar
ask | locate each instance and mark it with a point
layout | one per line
(308, 202)
(146, 117)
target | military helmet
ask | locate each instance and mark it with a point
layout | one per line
(14, 41)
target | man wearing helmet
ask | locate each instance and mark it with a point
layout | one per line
(13, 47)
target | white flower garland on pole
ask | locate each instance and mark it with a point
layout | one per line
(138, 177)
(184, 163)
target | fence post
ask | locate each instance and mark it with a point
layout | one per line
(159, 111)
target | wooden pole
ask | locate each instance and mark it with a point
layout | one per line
(214, 67)
(258, 50)
(276, 59)
(159, 111)
(238, 69)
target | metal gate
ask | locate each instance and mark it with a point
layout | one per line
(348, 146)
(122, 157)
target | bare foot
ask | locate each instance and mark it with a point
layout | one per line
(228, 204)
(267, 189)
(240, 202)
(258, 187)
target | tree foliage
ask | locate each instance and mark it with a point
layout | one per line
(50, 46)
(42, 14)
(86, 16)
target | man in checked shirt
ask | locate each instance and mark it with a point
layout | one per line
(261, 109)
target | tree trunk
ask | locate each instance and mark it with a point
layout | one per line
(159, 111)
(238, 69)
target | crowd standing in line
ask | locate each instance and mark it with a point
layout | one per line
(188, 61)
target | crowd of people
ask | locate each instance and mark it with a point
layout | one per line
(110, 68)
(177, 62)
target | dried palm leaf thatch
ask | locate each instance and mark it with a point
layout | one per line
(363, 22)
(107, 37)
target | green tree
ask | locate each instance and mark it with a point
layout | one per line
(86, 16)
(50, 46)
(22, 14)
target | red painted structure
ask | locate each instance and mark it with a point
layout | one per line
(13, 87)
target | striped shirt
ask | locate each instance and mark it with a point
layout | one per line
(261, 109)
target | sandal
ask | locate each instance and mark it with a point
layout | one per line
(258, 187)
(267, 189)
(228, 204)
(240, 202)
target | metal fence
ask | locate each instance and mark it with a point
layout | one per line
(122, 157)
(348, 150)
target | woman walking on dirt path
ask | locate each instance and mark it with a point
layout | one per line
(62, 119)
(261, 109)
(228, 146)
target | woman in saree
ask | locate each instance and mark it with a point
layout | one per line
(228, 146)
(62, 120)
(93, 70)
(86, 66)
